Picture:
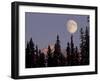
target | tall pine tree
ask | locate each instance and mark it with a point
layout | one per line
(86, 46)
(32, 51)
(68, 54)
(72, 51)
(57, 53)
(37, 56)
(27, 56)
(82, 44)
(30, 54)
(49, 60)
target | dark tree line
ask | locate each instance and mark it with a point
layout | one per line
(34, 57)
(74, 55)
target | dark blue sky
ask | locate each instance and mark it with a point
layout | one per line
(44, 27)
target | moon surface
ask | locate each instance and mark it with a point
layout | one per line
(71, 26)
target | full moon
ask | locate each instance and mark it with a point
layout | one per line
(71, 26)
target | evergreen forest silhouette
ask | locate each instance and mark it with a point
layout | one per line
(75, 55)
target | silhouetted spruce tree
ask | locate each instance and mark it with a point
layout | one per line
(30, 54)
(82, 46)
(87, 42)
(72, 51)
(57, 46)
(68, 54)
(58, 58)
(32, 50)
(57, 52)
(86, 46)
(37, 56)
(49, 60)
(27, 56)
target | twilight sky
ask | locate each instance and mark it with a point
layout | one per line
(44, 27)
